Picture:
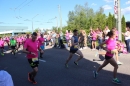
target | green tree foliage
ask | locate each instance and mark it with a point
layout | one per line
(36, 30)
(84, 17)
(123, 23)
(109, 21)
(28, 32)
(113, 21)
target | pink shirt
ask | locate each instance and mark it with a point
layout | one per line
(111, 45)
(7, 39)
(122, 46)
(41, 41)
(22, 38)
(19, 40)
(26, 40)
(94, 36)
(67, 36)
(38, 37)
(1, 43)
(32, 47)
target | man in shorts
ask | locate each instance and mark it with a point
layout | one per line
(74, 49)
(31, 47)
(13, 45)
(41, 44)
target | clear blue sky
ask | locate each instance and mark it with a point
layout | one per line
(12, 10)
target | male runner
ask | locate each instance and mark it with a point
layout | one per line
(31, 47)
(13, 45)
(74, 48)
(41, 44)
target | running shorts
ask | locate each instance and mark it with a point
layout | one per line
(13, 47)
(73, 49)
(42, 47)
(107, 57)
(1, 47)
(34, 62)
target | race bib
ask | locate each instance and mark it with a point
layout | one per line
(76, 46)
(34, 59)
(113, 51)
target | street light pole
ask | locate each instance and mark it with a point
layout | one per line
(60, 17)
(32, 21)
(119, 20)
(57, 23)
(117, 11)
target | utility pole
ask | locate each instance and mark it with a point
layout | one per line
(32, 21)
(117, 11)
(60, 17)
(119, 21)
(57, 22)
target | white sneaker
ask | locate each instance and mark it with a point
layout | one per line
(119, 63)
(80, 49)
(85, 48)
(97, 54)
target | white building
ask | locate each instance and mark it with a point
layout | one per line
(14, 29)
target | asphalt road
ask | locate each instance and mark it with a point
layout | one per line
(53, 72)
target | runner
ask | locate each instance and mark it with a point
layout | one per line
(41, 44)
(27, 38)
(2, 46)
(7, 41)
(13, 45)
(94, 38)
(74, 49)
(111, 45)
(31, 48)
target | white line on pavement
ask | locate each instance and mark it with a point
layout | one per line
(42, 60)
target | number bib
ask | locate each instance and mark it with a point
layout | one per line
(35, 59)
(76, 46)
(113, 51)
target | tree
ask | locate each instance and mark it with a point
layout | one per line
(28, 32)
(123, 23)
(37, 29)
(84, 17)
(109, 21)
(113, 21)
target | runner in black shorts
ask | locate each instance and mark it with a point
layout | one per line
(74, 48)
(110, 50)
(30, 47)
(13, 45)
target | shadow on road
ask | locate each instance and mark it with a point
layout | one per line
(53, 72)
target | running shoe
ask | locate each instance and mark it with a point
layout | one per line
(2, 54)
(29, 77)
(33, 81)
(95, 74)
(96, 55)
(119, 63)
(116, 81)
(80, 49)
(76, 63)
(66, 65)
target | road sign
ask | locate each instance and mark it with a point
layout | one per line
(115, 9)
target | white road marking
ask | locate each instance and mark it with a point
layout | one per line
(42, 60)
